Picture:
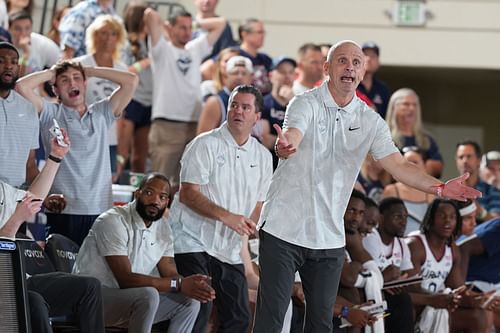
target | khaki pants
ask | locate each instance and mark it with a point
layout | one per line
(167, 140)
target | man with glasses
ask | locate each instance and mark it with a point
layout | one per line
(225, 174)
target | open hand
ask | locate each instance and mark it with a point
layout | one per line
(455, 189)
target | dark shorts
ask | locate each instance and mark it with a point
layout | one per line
(138, 113)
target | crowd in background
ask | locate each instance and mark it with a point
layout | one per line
(187, 68)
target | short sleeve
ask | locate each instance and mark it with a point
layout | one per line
(111, 236)
(196, 162)
(298, 114)
(382, 145)
(373, 246)
(104, 107)
(200, 46)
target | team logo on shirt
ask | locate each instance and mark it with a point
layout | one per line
(220, 160)
(183, 63)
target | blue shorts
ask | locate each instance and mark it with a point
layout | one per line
(138, 113)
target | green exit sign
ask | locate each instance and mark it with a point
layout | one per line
(409, 13)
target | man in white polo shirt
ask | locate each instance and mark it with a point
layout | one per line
(225, 174)
(328, 132)
(124, 248)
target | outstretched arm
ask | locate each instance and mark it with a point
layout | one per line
(127, 84)
(27, 84)
(155, 25)
(411, 175)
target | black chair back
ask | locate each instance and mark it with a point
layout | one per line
(36, 260)
(62, 251)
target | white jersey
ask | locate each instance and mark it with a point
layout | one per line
(397, 253)
(434, 272)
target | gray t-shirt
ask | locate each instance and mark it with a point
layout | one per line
(84, 176)
(19, 130)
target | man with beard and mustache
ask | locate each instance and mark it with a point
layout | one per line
(124, 248)
(19, 125)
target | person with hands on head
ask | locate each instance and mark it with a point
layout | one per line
(225, 174)
(326, 135)
(85, 175)
(123, 249)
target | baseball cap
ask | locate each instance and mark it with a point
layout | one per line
(371, 45)
(281, 59)
(493, 155)
(7, 45)
(239, 61)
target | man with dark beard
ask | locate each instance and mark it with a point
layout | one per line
(19, 125)
(123, 249)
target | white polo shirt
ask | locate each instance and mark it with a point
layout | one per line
(8, 197)
(397, 253)
(121, 232)
(309, 191)
(233, 177)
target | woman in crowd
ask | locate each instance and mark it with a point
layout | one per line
(404, 117)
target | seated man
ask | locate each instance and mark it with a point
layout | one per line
(51, 294)
(436, 258)
(124, 247)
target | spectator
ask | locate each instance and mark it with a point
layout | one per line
(490, 168)
(373, 178)
(123, 249)
(468, 160)
(404, 117)
(176, 85)
(206, 9)
(416, 201)
(213, 85)
(374, 89)
(468, 213)
(252, 34)
(275, 103)
(224, 179)
(19, 126)
(105, 37)
(50, 294)
(37, 52)
(238, 72)
(85, 175)
(133, 127)
(53, 32)
(310, 62)
(74, 24)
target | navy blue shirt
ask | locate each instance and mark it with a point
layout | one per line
(262, 65)
(379, 95)
(486, 267)
(273, 112)
(432, 153)
(225, 40)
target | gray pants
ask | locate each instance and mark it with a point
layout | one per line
(139, 308)
(320, 274)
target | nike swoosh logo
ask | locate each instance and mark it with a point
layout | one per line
(353, 128)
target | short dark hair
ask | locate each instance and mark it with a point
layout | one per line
(151, 176)
(246, 26)
(388, 202)
(249, 89)
(474, 144)
(19, 15)
(358, 194)
(306, 47)
(370, 202)
(63, 65)
(178, 12)
(430, 215)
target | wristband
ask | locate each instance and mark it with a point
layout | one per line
(439, 190)
(55, 159)
(137, 66)
(344, 313)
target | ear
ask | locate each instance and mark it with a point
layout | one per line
(326, 65)
(55, 90)
(137, 193)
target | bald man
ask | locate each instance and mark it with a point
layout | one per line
(327, 133)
